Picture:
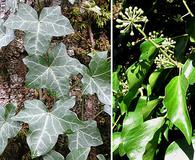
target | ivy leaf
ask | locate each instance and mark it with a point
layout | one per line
(101, 157)
(180, 47)
(189, 71)
(175, 102)
(190, 28)
(180, 150)
(45, 126)
(136, 139)
(36, 43)
(50, 23)
(148, 50)
(6, 35)
(85, 137)
(96, 78)
(146, 106)
(78, 154)
(11, 5)
(151, 147)
(131, 120)
(52, 71)
(116, 140)
(136, 74)
(71, 1)
(53, 155)
(8, 128)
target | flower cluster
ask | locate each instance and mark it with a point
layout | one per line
(155, 34)
(168, 44)
(163, 61)
(133, 17)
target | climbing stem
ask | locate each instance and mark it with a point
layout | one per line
(188, 9)
(116, 122)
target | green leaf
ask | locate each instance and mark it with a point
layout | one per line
(136, 139)
(190, 28)
(154, 78)
(148, 50)
(189, 71)
(101, 157)
(50, 23)
(146, 106)
(85, 137)
(8, 128)
(115, 82)
(6, 35)
(116, 140)
(96, 78)
(181, 150)
(53, 155)
(175, 102)
(180, 47)
(151, 148)
(45, 126)
(52, 71)
(135, 76)
(131, 120)
(78, 154)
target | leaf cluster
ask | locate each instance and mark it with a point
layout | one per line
(151, 106)
(51, 68)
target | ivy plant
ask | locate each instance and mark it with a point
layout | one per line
(51, 68)
(8, 127)
(151, 94)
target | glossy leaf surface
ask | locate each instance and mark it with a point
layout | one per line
(136, 139)
(175, 102)
(190, 28)
(181, 150)
(189, 71)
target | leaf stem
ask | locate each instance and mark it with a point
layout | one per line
(188, 9)
(116, 122)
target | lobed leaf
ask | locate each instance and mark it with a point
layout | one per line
(96, 78)
(6, 35)
(8, 128)
(85, 137)
(78, 154)
(45, 126)
(50, 23)
(52, 71)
